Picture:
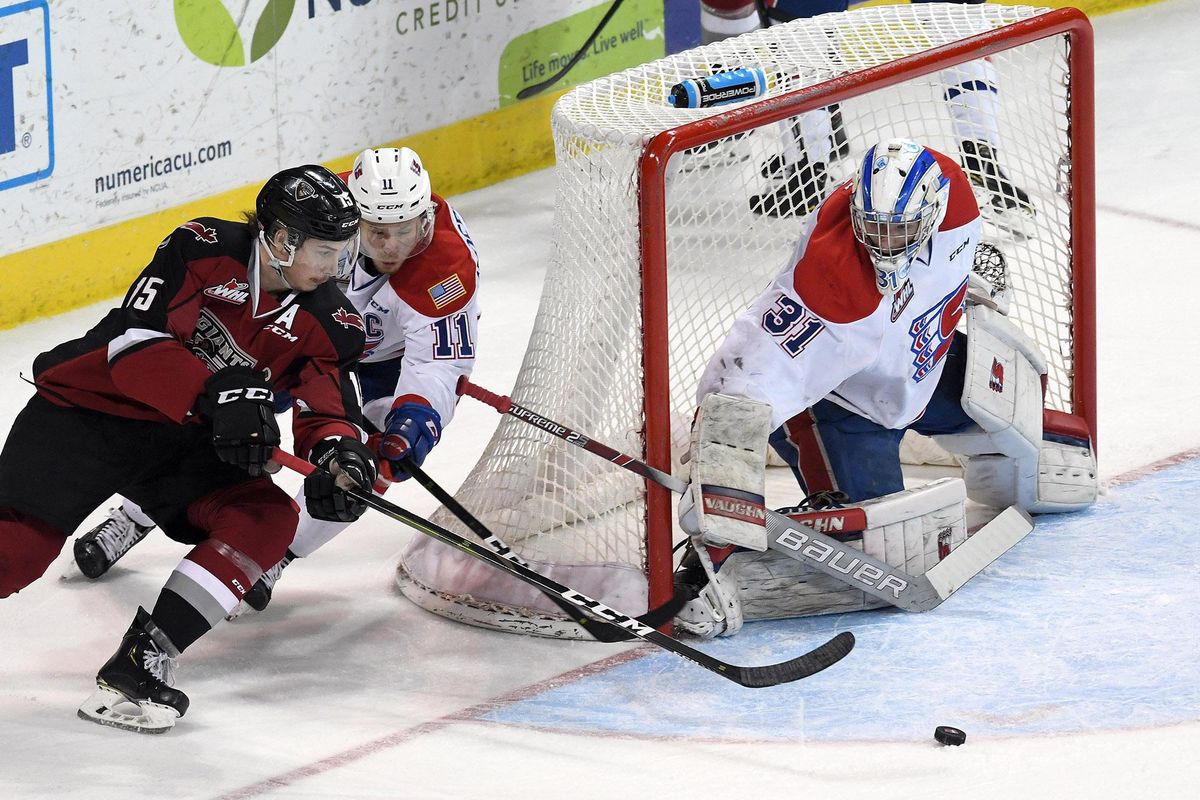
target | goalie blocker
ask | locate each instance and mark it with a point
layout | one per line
(724, 502)
(1041, 460)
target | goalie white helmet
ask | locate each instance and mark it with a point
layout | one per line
(899, 200)
(391, 188)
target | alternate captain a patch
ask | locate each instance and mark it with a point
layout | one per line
(446, 292)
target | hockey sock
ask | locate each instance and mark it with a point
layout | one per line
(179, 620)
(206, 586)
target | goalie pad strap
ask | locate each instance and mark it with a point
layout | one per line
(723, 501)
(717, 609)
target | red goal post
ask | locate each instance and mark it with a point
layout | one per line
(657, 249)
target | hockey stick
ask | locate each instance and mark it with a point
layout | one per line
(803, 666)
(796, 540)
(601, 631)
(530, 91)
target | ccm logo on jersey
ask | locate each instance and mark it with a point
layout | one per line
(933, 331)
(996, 381)
(232, 291)
(959, 249)
(349, 320)
(203, 232)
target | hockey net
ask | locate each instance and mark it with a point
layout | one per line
(657, 249)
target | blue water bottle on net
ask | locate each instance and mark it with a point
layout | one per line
(717, 90)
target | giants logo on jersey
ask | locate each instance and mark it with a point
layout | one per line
(349, 320)
(933, 331)
(203, 232)
(232, 291)
(214, 345)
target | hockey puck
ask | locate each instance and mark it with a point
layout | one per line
(947, 735)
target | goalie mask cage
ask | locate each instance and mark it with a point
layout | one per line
(656, 251)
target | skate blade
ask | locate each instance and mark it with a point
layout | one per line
(71, 572)
(1017, 223)
(242, 609)
(102, 708)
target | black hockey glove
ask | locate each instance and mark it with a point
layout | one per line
(240, 404)
(341, 463)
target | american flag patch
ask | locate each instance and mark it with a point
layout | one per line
(447, 291)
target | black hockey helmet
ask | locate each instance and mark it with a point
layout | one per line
(309, 200)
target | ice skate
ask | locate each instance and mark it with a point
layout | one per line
(101, 547)
(1001, 202)
(134, 688)
(795, 189)
(259, 596)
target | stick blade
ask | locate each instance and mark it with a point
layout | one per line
(803, 666)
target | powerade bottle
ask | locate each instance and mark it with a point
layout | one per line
(719, 89)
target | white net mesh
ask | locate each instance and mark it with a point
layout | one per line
(732, 216)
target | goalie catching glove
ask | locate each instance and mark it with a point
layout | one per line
(344, 463)
(240, 405)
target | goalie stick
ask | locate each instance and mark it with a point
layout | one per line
(601, 631)
(810, 663)
(792, 538)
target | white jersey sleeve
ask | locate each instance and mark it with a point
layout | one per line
(426, 316)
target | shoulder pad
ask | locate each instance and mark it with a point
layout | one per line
(442, 279)
(834, 277)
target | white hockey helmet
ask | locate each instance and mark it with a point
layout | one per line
(390, 186)
(899, 200)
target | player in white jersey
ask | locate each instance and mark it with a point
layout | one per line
(852, 344)
(414, 283)
(798, 177)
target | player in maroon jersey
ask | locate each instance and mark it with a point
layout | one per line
(169, 401)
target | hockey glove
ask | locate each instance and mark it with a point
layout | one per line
(412, 431)
(344, 463)
(240, 404)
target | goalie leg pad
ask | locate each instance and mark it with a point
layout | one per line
(717, 608)
(917, 528)
(724, 503)
(912, 529)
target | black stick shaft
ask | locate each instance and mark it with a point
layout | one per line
(754, 677)
(600, 630)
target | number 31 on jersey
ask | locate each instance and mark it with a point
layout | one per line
(792, 325)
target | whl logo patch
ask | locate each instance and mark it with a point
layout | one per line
(210, 32)
(232, 291)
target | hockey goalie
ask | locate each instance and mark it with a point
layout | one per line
(856, 341)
